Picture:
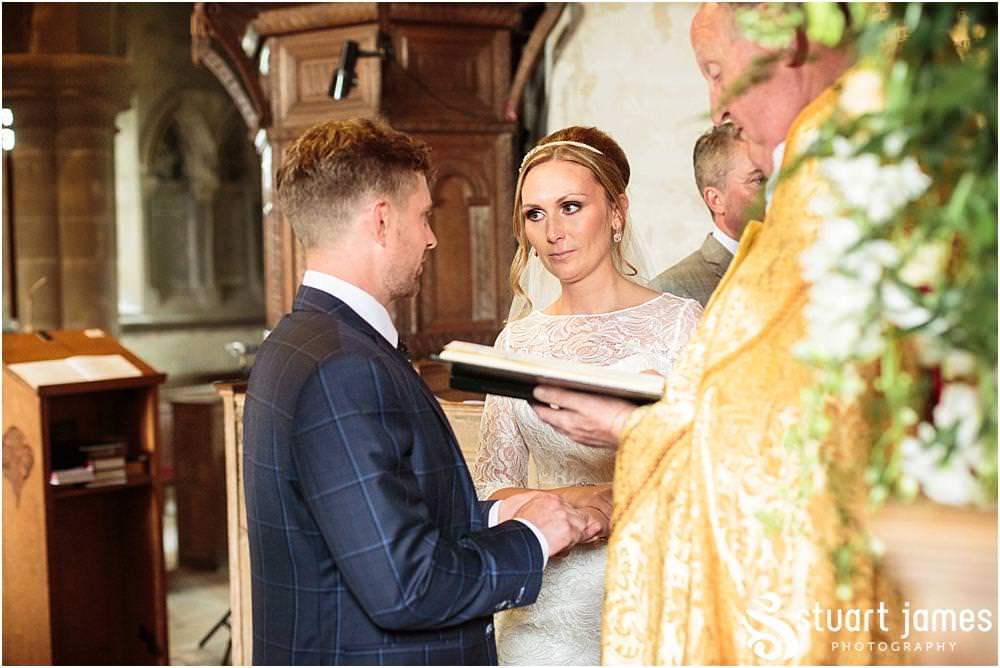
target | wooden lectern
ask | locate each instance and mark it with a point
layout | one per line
(83, 566)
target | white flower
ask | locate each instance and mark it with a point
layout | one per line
(900, 309)
(866, 185)
(912, 179)
(839, 324)
(894, 143)
(930, 349)
(869, 261)
(836, 236)
(836, 297)
(853, 177)
(959, 405)
(925, 265)
(862, 93)
(950, 482)
(871, 343)
(958, 364)
(897, 185)
(926, 432)
(852, 384)
(808, 137)
(842, 147)
(823, 205)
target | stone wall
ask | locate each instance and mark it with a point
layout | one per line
(169, 88)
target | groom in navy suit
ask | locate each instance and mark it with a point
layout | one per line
(367, 542)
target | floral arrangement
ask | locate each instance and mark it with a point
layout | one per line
(904, 271)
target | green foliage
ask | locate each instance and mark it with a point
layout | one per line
(938, 65)
(943, 95)
(825, 23)
(771, 24)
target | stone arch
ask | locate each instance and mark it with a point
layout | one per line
(201, 215)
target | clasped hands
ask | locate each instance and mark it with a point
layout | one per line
(566, 516)
(571, 515)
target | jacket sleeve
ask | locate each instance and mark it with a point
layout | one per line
(484, 509)
(351, 447)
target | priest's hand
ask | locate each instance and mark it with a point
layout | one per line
(585, 418)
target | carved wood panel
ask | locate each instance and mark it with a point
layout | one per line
(303, 65)
(464, 292)
(466, 67)
(446, 85)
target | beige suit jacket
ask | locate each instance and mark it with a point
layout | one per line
(697, 275)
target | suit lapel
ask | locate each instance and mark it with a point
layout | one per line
(311, 299)
(716, 255)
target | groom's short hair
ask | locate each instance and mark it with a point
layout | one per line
(332, 166)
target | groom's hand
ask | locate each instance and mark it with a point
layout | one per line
(585, 418)
(513, 503)
(562, 525)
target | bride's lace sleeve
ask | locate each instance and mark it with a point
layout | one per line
(687, 321)
(683, 316)
(502, 455)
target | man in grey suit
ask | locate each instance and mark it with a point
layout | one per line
(732, 189)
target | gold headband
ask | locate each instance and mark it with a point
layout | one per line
(563, 142)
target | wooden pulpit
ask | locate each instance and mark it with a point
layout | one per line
(83, 565)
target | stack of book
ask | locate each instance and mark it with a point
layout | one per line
(108, 462)
(72, 476)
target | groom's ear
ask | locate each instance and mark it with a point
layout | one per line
(376, 217)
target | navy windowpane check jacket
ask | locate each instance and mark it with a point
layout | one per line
(367, 542)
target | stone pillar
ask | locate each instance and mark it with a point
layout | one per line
(64, 201)
(36, 225)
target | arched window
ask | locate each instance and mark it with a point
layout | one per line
(202, 218)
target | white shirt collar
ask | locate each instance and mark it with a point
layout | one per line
(727, 241)
(360, 301)
(776, 158)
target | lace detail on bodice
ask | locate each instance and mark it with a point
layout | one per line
(563, 626)
(647, 336)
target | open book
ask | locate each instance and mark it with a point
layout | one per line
(477, 368)
(76, 369)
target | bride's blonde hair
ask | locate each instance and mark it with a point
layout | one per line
(605, 159)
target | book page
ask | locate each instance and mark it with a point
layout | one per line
(77, 369)
(47, 372)
(102, 367)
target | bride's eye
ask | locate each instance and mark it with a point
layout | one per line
(533, 215)
(569, 208)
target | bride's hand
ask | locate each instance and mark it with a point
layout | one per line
(579, 496)
(598, 517)
(592, 499)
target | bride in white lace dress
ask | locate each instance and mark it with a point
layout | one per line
(570, 214)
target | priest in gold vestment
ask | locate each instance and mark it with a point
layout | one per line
(715, 555)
